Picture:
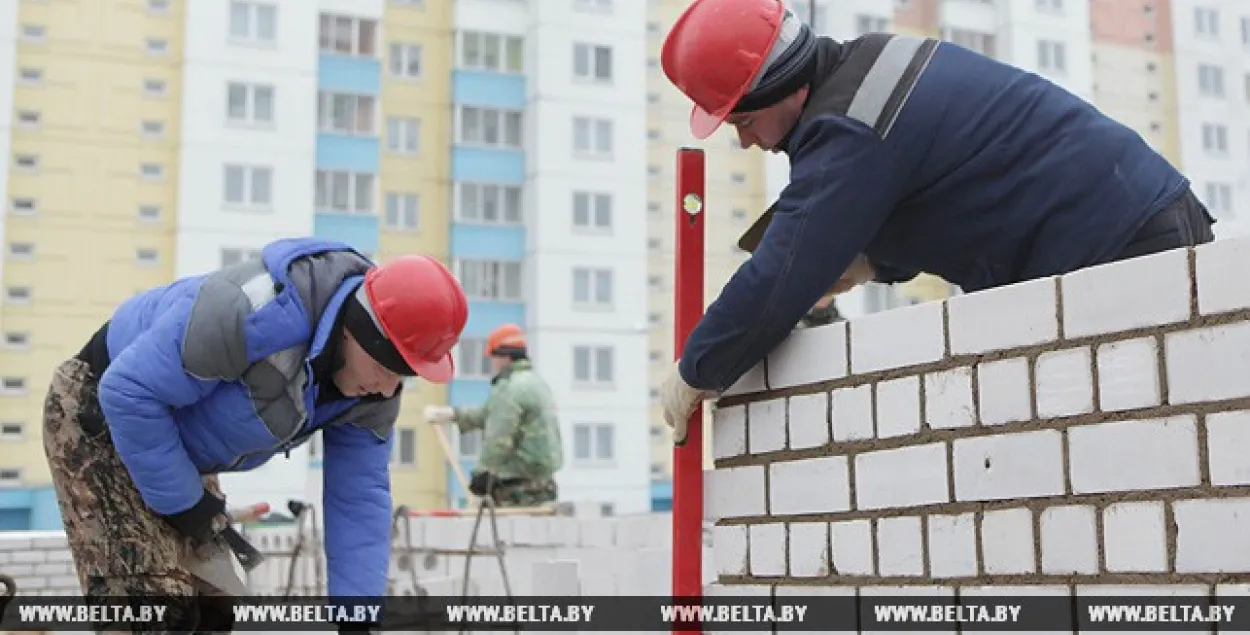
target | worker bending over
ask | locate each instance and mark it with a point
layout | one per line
(218, 373)
(907, 155)
(521, 442)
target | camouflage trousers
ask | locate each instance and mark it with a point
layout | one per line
(120, 547)
(525, 493)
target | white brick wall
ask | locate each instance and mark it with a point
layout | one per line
(1046, 434)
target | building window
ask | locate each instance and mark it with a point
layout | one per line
(592, 62)
(592, 288)
(345, 113)
(1052, 56)
(592, 137)
(249, 103)
(156, 46)
(490, 204)
(152, 128)
(1206, 22)
(403, 134)
(17, 295)
(490, 279)
(595, 6)
(594, 442)
(1049, 6)
(402, 211)
(13, 385)
(492, 52)
(159, 7)
(865, 24)
(818, 20)
(491, 127)
(470, 444)
(405, 60)
(149, 212)
(152, 171)
(28, 118)
(983, 43)
(31, 76)
(1220, 199)
(471, 359)
(345, 192)
(10, 477)
(404, 452)
(154, 87)
(593, 365)
(247, 186)
(146, 256)
(33, 32)
(253, 21)
(235, 255)
(1211, 81)
(26, 162)
(12, 430)
(22, 206)
(1215, 138)
(346, 35)
(1245, 31)
(21, 250)
(592, 211)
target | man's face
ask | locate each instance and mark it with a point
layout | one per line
(361, 375)
(765, 128)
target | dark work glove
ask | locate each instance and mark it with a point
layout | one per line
(203, 521)
(482, 483)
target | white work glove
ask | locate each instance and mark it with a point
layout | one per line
(679, 400)
(858, 273)
(439, 414)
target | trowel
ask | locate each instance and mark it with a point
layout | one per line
(224, 566)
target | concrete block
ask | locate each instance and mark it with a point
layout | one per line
(852, 547)
(898, 407)
(750, 382)
(1128, 374)
(766, 426)
(809, 421)
(1134, 537)
(1213, 535)
(809, 550)
(1146, 291)
(1228, 437)
(1021, 314)
(1065, 383)
(897, 338)
(1221, 267)
(1208, 364)
(900, 547)
(1069, 540)
(768, 549)
(953, 546)
(809, 356)
(903, 477)
(1004, 393)
(1009, 466)
(601, 532)
(1134, 455)
(1007, 541)
(948, 399)
(733, 492)
(810, 486)
(563, 530)
(852, 413)
(729, 431)
(530, 531)
(729, 544)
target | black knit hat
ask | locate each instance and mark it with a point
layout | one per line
(359, 321)
(790, 64)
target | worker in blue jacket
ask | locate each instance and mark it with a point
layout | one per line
(221, 372)
(907, 155)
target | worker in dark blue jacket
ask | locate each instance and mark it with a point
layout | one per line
(907, 155)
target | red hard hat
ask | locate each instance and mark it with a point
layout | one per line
(421, 309)
(715, 50)
(507, 335)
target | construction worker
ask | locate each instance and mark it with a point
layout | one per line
(521, 441)
(218, 373)
(907, 155)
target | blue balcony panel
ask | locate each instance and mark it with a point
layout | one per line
(476, 88)
(344, 74)
(485, 316)
(490, 165)
(29, 508)
(358, 230)
(342, 152)
(467, 392)
(487, 242)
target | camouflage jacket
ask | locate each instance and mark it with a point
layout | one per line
(521, 434)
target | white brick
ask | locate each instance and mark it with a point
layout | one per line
(896, 338)
(766, 426)
(953, 546)
(914, 475)
(1208, 364)
(731, 492)
(809, 420)
(1128, 375)
(1020, 314)
(948, 399)
(1134, 455)
(809, 356)
(1212, 535)
(751, 381)
(729, 431)
(768, 549)
(809, 486)
(852, 547)
(1009, 466)
(852, 413)
(1003, 391)
(1065, 383)
(1134, 538)
(1228, 438)
(1221, 267)
(1069, 540)
(1119, 296)
(900, 546)
(809, 550)
(898, 407)
(1007, 541)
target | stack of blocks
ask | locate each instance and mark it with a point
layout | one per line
(1049, 436)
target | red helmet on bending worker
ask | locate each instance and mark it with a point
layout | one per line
(719, 51)
(420, 310)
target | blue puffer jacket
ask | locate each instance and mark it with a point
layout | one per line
(211, 374)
